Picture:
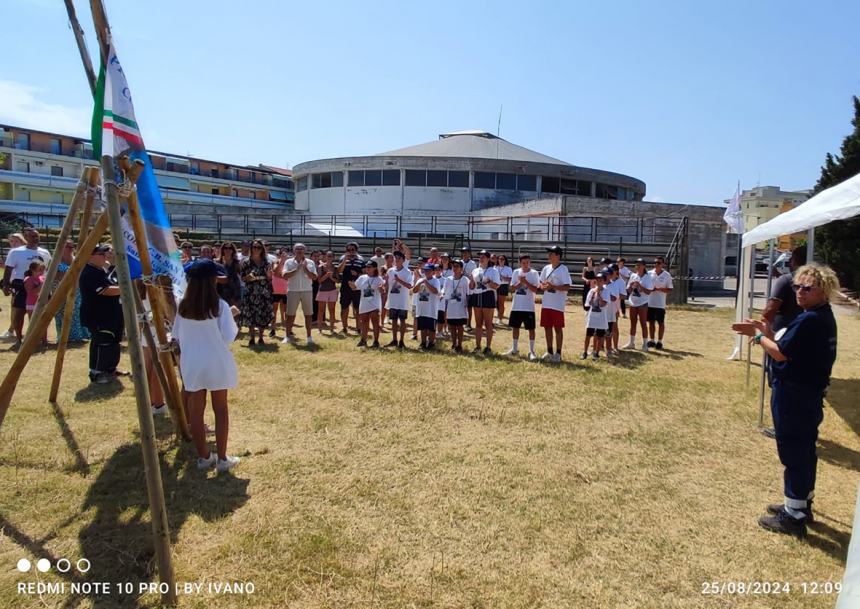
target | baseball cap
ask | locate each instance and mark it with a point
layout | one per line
(429, 267)
(465, 248)
(101, 248)
(555, 250)
(371, 263)
(202, 268)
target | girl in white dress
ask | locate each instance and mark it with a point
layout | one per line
(371, 286)
(204, 329)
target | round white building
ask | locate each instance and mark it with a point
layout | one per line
(459, 173)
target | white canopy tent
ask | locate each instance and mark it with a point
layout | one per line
(837, 203)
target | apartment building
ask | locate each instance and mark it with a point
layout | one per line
(39, 172)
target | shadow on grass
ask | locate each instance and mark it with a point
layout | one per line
(674, 353)
(118, 538)
(81, 464)
(264, 348)
(838, 455)
(829, 540)
(94, 392)
(842, 397)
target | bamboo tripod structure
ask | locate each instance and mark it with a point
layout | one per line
(133, 313)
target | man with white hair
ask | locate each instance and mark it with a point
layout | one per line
(301, 273)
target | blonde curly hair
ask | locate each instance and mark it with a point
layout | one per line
(821, 276)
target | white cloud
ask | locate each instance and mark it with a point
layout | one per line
(20, 106)
(656, 199)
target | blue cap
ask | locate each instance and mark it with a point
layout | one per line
(429, 267)
(203, 268)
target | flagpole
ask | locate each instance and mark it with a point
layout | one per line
(152, 469)
(737, 352)
(82, 45)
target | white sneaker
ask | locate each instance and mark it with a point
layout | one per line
(7, 335)
(631, 344)
(310, 342)
(556, 358)
(158, 411)
(227, 464)
(546, 357)
(644, 346)
(532, 356)
(287, 340)
(207, 463)
(511, 351)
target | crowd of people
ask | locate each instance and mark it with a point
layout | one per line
(444, 296)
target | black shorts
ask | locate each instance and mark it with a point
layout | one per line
(19, 294)
(427, 323)
(656, 314)
(609, 326)
(279, 298)
(519, 319)
(596, 332)
(440, 317)
(456, 321)
(504, 289)
(483, 300)
(397, 314)
(350, 297)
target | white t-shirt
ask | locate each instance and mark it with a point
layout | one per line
(456, 294)
(621, 286)
(371, 296)
(469, 266)
(524, 298)
(596, 315)
(610, 291)
(19, 260)
(505, 272)
(624, 273)
(482, 275)
(657, 300)
(637, 297)
(555, 299)
(300, 282)
(427, 303)
(398, 295)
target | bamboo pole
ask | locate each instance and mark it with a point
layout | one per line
(164, 360)
(62, 343)
(152, 470)
(82, 45)
(65, 231)
(34, 336)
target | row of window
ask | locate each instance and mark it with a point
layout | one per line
(460, 179)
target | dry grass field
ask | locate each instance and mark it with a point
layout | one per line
(386, 479)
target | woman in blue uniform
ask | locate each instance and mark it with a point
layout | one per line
(802, 354)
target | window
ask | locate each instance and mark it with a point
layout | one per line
(56, 146)
(607, 191)
(458, 179)
(302, 184)
(22, 195)
(584, 188)
(416, 177)
(373, 177)
(355, 178)
(550, 184)
(57, 171)
(216, 191)
(22, 142)
(484, 179)
(327, 180)
(391, 177)
(213, 172)
(568, 187)
(437, 178)
(506, 181)
(527, 182)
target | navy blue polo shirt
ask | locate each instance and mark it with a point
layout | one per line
(809, 343)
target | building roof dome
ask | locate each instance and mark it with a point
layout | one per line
(474, 144)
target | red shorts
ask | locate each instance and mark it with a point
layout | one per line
(550, 318)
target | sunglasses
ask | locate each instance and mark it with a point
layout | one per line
(256, 247)
(806, 289)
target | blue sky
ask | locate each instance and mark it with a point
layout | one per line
(688, 96)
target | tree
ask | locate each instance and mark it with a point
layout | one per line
(839, 242)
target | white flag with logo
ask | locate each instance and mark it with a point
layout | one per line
(734, 216)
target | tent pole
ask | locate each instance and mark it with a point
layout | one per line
(749, 307)
(764, 355)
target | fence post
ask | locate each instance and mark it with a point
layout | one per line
(620, 246)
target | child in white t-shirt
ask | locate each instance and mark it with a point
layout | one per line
(427, 307)
(455, 292)
(371, 286)
(597, 302)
